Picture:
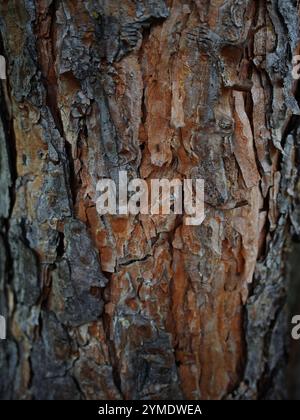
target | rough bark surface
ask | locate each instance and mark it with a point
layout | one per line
(146, 307)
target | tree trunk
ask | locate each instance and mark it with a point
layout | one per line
(146, 307)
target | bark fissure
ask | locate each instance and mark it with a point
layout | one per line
(141, 307)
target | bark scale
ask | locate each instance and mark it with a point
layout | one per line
(146, 307)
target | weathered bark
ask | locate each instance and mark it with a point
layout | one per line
(146, 307)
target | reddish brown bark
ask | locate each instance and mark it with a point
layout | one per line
(146, 307)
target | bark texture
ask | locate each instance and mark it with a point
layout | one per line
(146, 307)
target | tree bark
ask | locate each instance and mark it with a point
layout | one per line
(145, 307)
